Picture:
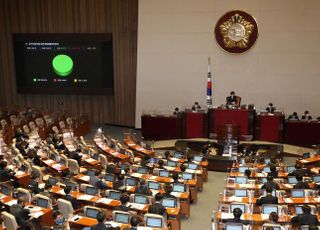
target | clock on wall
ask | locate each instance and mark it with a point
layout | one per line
(236, 31)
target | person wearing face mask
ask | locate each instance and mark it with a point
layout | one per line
(21, 214)
(59, 222)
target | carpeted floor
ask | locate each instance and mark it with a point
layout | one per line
(207, 199)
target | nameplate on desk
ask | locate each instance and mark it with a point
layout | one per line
(85, 197)
(90, 160)
(193, 171)
(131, 144)
(153, 178)
(104, 201)
(19, 173)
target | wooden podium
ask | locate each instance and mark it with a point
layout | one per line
(195, 124)
(269, 127)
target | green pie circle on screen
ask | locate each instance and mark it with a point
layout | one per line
(62, 65)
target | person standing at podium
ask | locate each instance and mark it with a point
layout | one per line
(270, 108)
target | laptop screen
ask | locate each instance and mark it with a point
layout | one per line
(122, 218)
(292, 180)
(242, 169)
(316, 179)
(90, 172)
(154, 222)
(187, 176)
(290, 169)
(297, 193)
(240, 192)
(140, 199)
(192, 166)
(5, 190)
(298, 210)
(266, 169)
(305, 155)
(267, 209)
(131, 182)
(171, 164)
(178, 187)
(198, 158)
(241, 180)
(178, 154)
(42, 202)
(153, 185)
(52, 181)
(109, 177)
(114, 195)
(92, 191)
(241, 206)
(231, 226)
(164, 173)
(168, 202)
(142, 170)
(92, 213)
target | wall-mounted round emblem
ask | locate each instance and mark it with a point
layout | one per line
(236, 31)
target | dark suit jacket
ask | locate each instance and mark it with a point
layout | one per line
(102, 226)
(231, 100)
(271, 184)
(273, 174)
(301, 185)
(144, 190)
(235, 220)
(21, 215)
(157, 208)
(6, 175)
(301, 172)
(117, 184)
(269, 199)
(305, 219)
(123, 208)
(74, 202)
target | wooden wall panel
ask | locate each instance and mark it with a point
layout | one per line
(118, 17)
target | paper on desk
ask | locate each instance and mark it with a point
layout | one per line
(129, 187)
(174, 159)
(316, 199)
(153, 178)
(85, 197)
(61, 192)
(49, 161)
(288, 200)
(131, 144)
(104, 201)
(176, 194)
(36, 214)
(264, 216)
(235, 198)
(19, 173)
(34, 208)
(85, 178)
(90, 160)
(139, 175)
(140, 149)
(136, 206)
(56, 166)
(11, 202)
(76, 217)
(193, 171)
(42, 185)
(288, 185)
(227, 215)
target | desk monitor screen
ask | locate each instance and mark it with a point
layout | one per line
(291, 168)
(198, 158)
(298, 209)
(153, 160)
(142, 170)
(316, 179)
(305, 155)
(72, 185)
(187, 176)
(241, 180)
(292, 180)
(192, 166)
(5, 190)
(178, 155)
(266, 169)
(171, 164)
(109, 177)
(92, 213)
(114, 195)
(242, 169)
(130, 181)
(168, 202)
(90, 172)
(164, 173)
(122, 218)
(92, 191)
(233, 226)
(154, 222)
(241, 206)
(240, 192)
(178, 187)
(297, 193)
(95, 156)
(140, 199)
(267, 209)
(42, 202)
(264, 180)
(53, 180)
(153, 185)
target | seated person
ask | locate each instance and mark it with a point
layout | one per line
(270, 108)
(273, 171)
(101, 217)
(232, 99)
(237, 213)
(273, 222)
(301, 184)
(183, 168)
(268, 199)
(21, 213)
(167, 191)
(59, 222)
(143, 189)
(97, 182)
(145, 160)
(134, 222)
(160, 164)
(270, 183)
(293, 117)
(306, 218)
(176, 111)
(117, 184)
(34, 183)
(299, 171)
(157, 207)
(75, 204)
(175, 177)
(195, 107)
(5, 174)
(167, 155)
(306, 116)
(273, 218)
(124, 199)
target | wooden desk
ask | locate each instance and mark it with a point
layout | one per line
(136, 148)
(242, 117)
(109, 152)
(269, 127)
(310, 160)
(161, 127)
(195, 124)
(302, 133)
(54, 166)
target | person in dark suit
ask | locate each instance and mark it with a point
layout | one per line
(117, 184)
(301, 184)
(273, 171)
(5, 174)
(237, 213)
(306, 116)
(293, 117)
(157, 207)
(101, 217)
(73, 201)
(160, 164)
(270, 108)
(145, 160)
(270, 183)
(306, 218)
(268, 199)
(299, 171)
(176, 111)
(196, 107)
(124, 199)
(232, 99)
(134, 222)
(143, 189)
(21, 214)
(34, 183)
(167, 190)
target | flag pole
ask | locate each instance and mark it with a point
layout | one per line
(209, 85)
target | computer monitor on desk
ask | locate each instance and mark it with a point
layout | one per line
(164, 173)
(142, 170)
(241, 206)
(198, 158)
(171, 163)
(154, 222)
(233, 226)
(242, 169)
(297, 193)
(122, 218)
(6, 190)
(240, 192)
(93, 191)
(292, 180)
(178, 187)
(273, 226)
(130, 181)
(187, 176)
(91, 212)
(316, 179)
(192, 166)
(115, 195)
(140, 199)
(109, 177)
(154, 185)
(43, 203)
(269, 208)
(169, 202)
(290, 168)
(266, 169)
(241, 180)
